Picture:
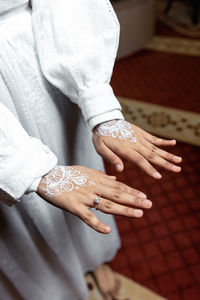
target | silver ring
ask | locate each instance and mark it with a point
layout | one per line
(96, 202)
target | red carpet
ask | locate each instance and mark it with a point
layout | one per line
(162, 250)
(167, 79)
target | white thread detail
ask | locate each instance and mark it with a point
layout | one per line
(64, 179)
(116, 129)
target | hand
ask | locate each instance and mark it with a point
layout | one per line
(118, 139)
(75, 188)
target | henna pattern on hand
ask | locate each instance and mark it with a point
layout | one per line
(116, 129)
(64, 179)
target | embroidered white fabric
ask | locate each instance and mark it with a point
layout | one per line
(64, 179)
(84, 59)
(117, 129)
(48, 33)
(57, 243)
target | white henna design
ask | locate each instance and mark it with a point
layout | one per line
(64, 179)
(117, 129)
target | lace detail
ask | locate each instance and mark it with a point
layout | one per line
(117, 129)
(64, 179)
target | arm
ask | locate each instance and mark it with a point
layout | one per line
(23, 159)
(77, 43)
(26, 165)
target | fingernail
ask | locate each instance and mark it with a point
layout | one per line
(157, 175)
(138, 213)
(178, 158)
(118, 167)
(106, 229)
(142, 195)
(176, 168)
(147, 203)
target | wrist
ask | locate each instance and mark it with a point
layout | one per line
(104, 122)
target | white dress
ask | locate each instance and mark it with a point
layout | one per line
(60, 50)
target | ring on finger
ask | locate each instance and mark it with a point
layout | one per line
(96, 202)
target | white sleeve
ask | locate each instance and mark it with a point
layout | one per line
(23, 159)
(77, 42)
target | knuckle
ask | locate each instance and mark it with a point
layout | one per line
(96, 225)
(168, 165)
(169, 156)
(151, 157)
(123, 188)
(117, 195)
(140, 160)
(137, 202)
(128, 211)
(107, 205)
(88, 217)
(153, 148)
(113, 159)
(119, 186)
(158, 140)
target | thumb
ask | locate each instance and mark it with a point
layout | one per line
(111, 157)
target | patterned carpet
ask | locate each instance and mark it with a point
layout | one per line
(162, 250)
(160, 120)
(175, 45)
(161, 78)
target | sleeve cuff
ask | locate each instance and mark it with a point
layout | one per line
(111, 115)
(28, 165)
(34, 186)
(97, 101)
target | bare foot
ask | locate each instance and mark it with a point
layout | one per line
(107, 282)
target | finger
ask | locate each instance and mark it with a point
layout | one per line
(159, 161)
(142, 162)
(111, 157)
(139, 160)
(154, 158)
(123, 187)
(164, 154)
(91, 220)
(158, 141)
(118, 196)
(110, 207)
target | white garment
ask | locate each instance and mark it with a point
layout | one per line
(44, 251)
(77, 51)
(78, 61)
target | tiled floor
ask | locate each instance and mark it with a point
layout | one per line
(162, 250)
